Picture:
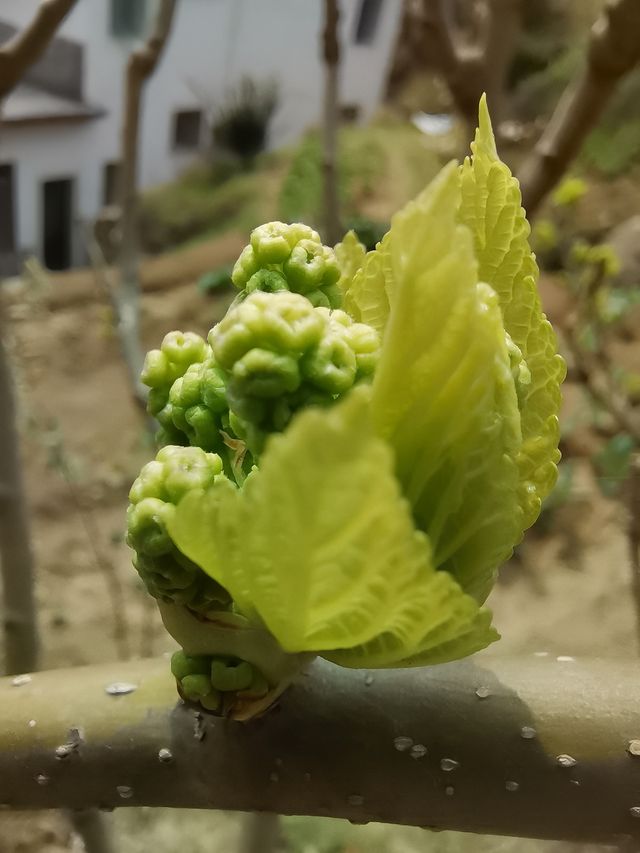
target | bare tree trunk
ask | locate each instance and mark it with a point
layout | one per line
(613, 52)
(330, 126)
(27, 46)
(536, 746)
(141, 65)
(16, 558)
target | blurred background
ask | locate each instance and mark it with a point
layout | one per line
(137, 153)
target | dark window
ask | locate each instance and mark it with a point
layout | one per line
(110, 187)
(7, 205)
(128, 17)
(367, 21)
(187, 129)
(57, 222)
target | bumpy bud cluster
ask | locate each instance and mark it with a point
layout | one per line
(206, 678)
(279, 353)
(166, 572)
(289, 257)
(188, 395)
(162, 367)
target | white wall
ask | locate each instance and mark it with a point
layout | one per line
(212, 45)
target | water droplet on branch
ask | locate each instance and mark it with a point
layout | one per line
(566, 761)
(633, 748)
(449, 764)
(120, 688)
(403, 743)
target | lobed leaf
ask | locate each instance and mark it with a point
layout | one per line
(444, 395)
(321, 544)
(491, 206)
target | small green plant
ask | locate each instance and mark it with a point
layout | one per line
(216, 280)
(241, 124)
(355, 449)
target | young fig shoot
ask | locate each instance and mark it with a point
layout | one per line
(356, 448)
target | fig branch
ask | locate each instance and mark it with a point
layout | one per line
(540, 746)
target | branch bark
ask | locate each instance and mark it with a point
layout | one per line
(613, 52)
(331, 53)
(16, 558)
(486, 745)
(633, 534)
(472, 68)
(27, 46)
(140, 67)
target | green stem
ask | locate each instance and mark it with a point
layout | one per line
(471, 746)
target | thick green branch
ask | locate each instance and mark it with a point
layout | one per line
(471, 746)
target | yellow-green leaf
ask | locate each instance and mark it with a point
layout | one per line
(367, 295)
(444, 395)
(491, 207)
(350, 254)
(320, 544)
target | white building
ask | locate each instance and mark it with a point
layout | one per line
(59, 130)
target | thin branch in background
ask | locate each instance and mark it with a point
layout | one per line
(633, 533)
(27, 46)
(594, 368)
(21, 643)
(471, 67)
(141, 65)
(593, 365)
(149, 613)
(94, 829)
(613, 52)
(331, 55)
(107, 285)
(261, 833)
(91, 530)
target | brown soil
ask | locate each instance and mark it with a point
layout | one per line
(84, 442)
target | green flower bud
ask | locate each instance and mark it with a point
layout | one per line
(291, 257)
(163, 366)
(331, 367)
(269, 281)
(195, 687)
(279, 322)
(183, 665)
(194, 406)
(166, 572)
(278, 353)
(227, 676)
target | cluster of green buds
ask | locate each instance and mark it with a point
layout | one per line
(356, 447)
(211, 680)
(167, 574)
(278, 353)
(289, 257)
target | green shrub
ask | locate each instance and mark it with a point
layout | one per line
(192, 206)
(241, 123)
